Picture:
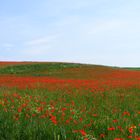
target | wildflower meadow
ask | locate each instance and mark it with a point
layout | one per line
(66, 101)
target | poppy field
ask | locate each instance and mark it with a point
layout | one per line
(66, 101)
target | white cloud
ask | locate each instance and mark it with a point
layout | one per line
(42, 41)
(33, 51)
(37, 42)
(38, 46)
(7, 45)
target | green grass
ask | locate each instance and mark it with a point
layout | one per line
(36, 68)
(132, 68)
(85, 105)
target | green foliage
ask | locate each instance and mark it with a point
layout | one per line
(34, 68)
(42, 128)
(132, 68)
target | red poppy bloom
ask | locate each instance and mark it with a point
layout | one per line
(111, 128)
(83, 132)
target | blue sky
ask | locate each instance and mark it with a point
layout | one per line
(103, 32)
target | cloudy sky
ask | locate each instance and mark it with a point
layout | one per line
(103, 32)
